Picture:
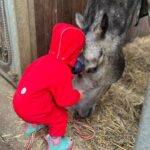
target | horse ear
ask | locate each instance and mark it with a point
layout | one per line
(79, 20)
(138, 12)
(104, 25)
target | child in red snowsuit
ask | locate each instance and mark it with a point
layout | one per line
(46, 87)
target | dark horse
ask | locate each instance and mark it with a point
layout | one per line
(105, 24)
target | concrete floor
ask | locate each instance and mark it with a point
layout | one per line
(11, 132)
(12, 135)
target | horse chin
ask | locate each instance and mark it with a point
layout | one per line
(82, 115)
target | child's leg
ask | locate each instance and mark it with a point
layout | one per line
(56, 120)
(59, 143)
(30, 128)
(57, 129)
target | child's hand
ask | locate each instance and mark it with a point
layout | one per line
(82, 94)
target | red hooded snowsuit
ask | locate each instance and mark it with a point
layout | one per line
(46, 85)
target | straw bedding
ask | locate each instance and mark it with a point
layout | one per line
(117, 114)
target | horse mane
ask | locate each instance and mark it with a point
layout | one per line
(113, 9)
(92, 7)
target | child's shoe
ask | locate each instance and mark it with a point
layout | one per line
(30, 128)
(59, 143)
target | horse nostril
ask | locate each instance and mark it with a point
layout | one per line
(91, 70)
(76, 115)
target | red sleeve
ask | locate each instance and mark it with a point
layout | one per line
(64, 94)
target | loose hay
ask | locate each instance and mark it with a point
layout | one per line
(117, 114)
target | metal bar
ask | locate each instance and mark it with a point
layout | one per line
(143, 135)
(13, 35)
(5, 59)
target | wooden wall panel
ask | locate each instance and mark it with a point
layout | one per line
(45, 18)
(64, 8)
(48, 13)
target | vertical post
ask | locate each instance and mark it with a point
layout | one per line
(13, 35)
(31, 15)
(143, 136)
(148, 2)
(23, 18)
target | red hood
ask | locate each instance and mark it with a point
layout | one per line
(67, 42)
